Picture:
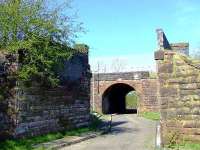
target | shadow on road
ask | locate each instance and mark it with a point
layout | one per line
(120, 130)
(119, 127)
(117, 123)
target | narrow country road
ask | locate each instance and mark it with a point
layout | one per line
(129, 132)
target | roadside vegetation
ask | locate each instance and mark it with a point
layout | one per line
(132, 103)
(183, 146)
(153, 75)
(151, 115)
(131, 100)
(28, 143)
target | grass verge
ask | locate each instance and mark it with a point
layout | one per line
(151, 115)
(27, 143)
(186, 146)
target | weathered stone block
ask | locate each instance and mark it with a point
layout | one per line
(189, 86)
(183, 110)
(165, 68)
(159, 55)
(195, 110)
(189, 92)
(168, 91)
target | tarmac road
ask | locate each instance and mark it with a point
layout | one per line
(129, 132)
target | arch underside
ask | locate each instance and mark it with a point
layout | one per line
(114, 99)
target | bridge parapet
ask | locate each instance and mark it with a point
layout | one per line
(137, 75)
(163, 44)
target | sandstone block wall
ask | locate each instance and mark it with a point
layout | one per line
(148, 100)
(179, 96)
(35, 110)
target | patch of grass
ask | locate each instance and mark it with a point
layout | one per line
(151, 115)
(131, 100)
(186, 146)
(27, 143)
(191, 146)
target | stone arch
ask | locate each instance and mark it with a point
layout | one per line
(113, 98)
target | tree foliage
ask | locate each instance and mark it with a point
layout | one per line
(41, 33)
(83, 48)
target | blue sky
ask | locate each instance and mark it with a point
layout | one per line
(123, 31)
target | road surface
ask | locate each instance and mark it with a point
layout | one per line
(129, 132)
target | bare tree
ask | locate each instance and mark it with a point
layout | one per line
(118, 65)
(100, 67)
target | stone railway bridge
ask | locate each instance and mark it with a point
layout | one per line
(108, 91)
(31, 111)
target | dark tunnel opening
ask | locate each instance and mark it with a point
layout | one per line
(114, 99)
